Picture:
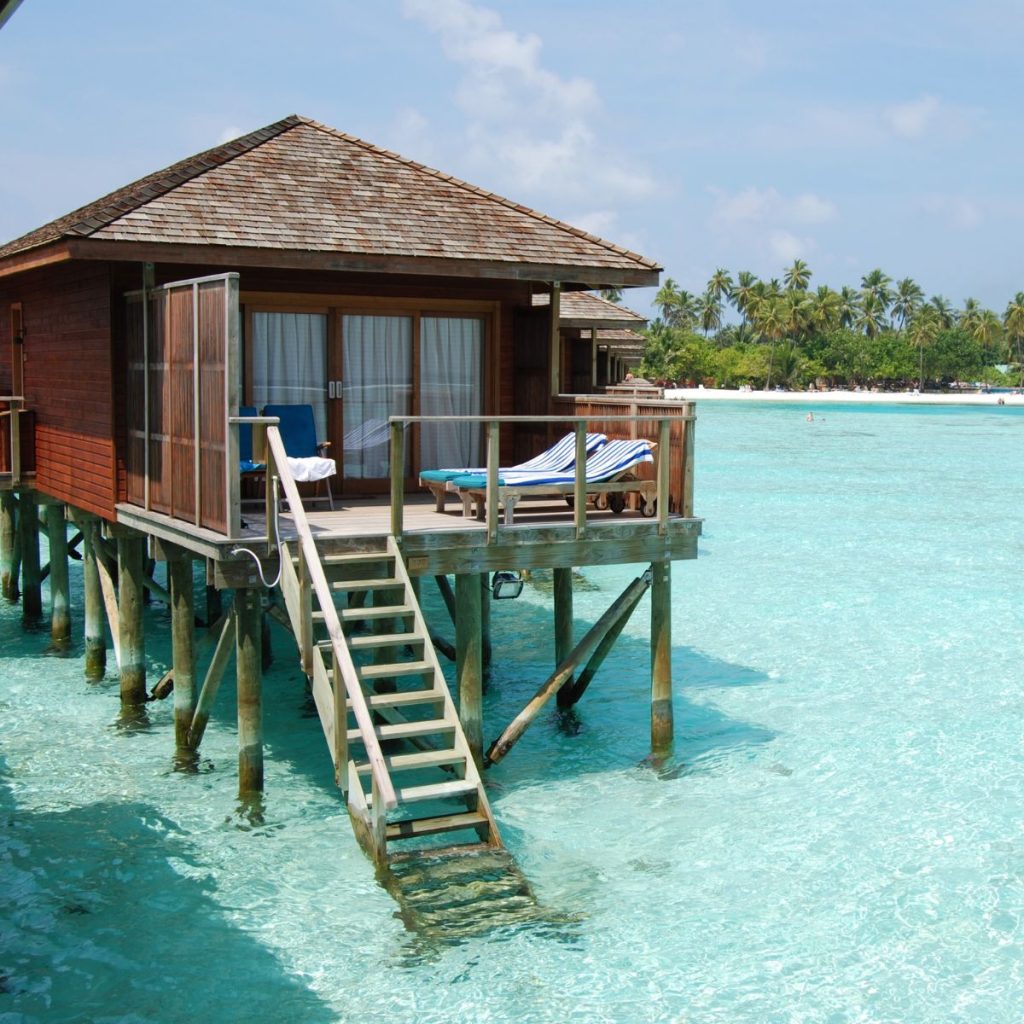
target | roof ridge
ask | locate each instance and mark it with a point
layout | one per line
(87, 219)
(478, 190)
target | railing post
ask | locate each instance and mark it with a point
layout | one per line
(664, 468)
(689, 425)
(305, 615)
(493, 458)
(397, 479)
(15, 418)
(580, 480)
(340, 721)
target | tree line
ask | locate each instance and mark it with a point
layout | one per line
(884, 334)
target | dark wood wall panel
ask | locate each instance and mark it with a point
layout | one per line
(68, 379)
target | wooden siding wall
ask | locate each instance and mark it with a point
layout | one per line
(68, 379)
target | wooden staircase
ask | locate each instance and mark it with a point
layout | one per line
(405, 765)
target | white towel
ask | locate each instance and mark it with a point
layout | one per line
(306, 470)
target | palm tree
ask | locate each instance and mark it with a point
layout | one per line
(871, 315)
(709, 312)
(720, 284)
(770, 317)
(924, 329)
(944, 310)
(667, 297)
(827, 309)
(986, 328)
(677, 306)
(849, 306)
(1013, 320)
(611, 294)
(742, 292)
(798, 276)
(908, 297)
(876, 284)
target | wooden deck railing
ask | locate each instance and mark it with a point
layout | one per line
(17, 438)
(672, 429)
(348, 683)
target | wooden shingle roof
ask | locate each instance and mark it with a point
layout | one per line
(298, 186)
(582, 309)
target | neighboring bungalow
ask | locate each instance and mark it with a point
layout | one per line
(427, 323)
(599, 341)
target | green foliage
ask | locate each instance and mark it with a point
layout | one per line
(882, 334)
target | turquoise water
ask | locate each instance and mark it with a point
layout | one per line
(839, 838)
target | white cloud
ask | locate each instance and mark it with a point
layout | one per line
(912, 120)
(768, 206)
(957, 211)
(924, 119)
(228, 133)
(766, 225)
(527, 126)
(786, 247)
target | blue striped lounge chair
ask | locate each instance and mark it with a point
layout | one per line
(609, 471)
(559, 458)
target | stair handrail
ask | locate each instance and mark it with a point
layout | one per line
(343, 656)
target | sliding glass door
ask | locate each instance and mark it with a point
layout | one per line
(358, 369)
(376, 383)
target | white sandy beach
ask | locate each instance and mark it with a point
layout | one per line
(843, 397)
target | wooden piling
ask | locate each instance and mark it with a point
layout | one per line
(250, 698)
(563, 619)
(131, 558)
(469, 661)
(92, 598)
(31, 574)
(661, 657)
(183, 614)
(485, 619)
(8, 546)
(60, 587)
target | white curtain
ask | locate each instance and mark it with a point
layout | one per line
(377, 383)
(450, 385)
(289, 362)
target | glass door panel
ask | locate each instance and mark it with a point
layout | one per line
(289, 362)
(450, 384)
(376, 384)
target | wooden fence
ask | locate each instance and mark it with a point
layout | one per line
(609, 416)
(183, 373)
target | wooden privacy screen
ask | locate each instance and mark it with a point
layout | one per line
(602, 413)
(182, 360)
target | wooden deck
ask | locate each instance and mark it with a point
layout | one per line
(544, 535)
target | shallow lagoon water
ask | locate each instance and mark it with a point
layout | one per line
(838, 839)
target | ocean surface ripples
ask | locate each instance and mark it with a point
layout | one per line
(837, 838)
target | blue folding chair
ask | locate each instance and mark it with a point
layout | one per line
(306, 458)
(245, 462)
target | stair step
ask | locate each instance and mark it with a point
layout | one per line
(433, 791)
(385, 583)
(388, 611)
(435, 826)
(405, 730)
(357, 643)
(400, 700)
(352, 557)
(421, 759)
(395, 668)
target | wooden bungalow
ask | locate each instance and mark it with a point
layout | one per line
(599, 343)
(143, 333)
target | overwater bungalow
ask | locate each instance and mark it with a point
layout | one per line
(154, 345)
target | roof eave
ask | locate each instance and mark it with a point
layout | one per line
(302, 259)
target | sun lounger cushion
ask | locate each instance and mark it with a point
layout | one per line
(559, 457)
(608, 462)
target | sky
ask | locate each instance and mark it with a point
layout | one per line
(734, 134)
